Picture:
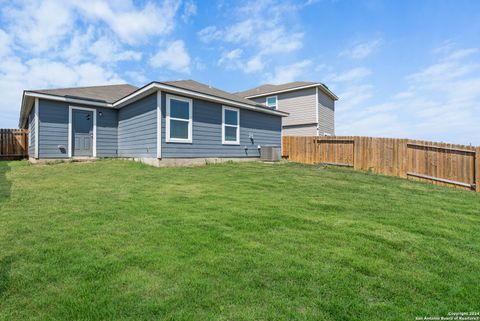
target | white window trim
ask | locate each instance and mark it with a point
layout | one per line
(168, 139)
(70, 127)
(276, 101)
(230, 142)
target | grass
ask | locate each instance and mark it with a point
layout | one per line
(118, 240)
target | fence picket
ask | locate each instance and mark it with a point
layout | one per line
(438, 163)
(13, 144)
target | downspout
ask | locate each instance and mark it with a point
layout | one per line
(159, 124)
(37, 130)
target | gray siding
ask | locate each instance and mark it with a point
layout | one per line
(300, 130)
(107, 124)
(132, 131)
(207, 133)
(53, 130)
(137, 128)
(260, 100)
(302, 107)
(300, 104)
(32, 133)
(326, 114)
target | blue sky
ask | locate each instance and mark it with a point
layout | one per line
(401, 68)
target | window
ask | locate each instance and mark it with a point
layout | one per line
(272, 102)
(230, 126)
(179, 120)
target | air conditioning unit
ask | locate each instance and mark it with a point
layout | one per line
(270, 153)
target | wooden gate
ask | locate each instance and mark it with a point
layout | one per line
(13, 144)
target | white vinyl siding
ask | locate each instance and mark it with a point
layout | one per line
(326, 114)
(300, 130)
(300, 104)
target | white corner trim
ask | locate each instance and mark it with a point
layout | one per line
(228, 142)
(316, 114)
(169, 139)
(37, 128)
(159, 124)
(70, 127)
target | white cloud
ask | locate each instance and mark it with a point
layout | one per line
(231, 55)
(362, 50)
(107, 51)
(288, 73)
(355, 95)
(5, 43)
(137, 77)
(351, 75)
(463, 53)
(88, 46)
(39, 25)
(254, 64)
(62, 43)
(209, 34)
(444, 71)
(440, 103)
(173, 56)
(189, 10)
(233, 60)
(261, 30)
(230, 59)
(130, 24)
(43, 73)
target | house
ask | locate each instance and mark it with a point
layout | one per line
(311, 106)
(159, 123)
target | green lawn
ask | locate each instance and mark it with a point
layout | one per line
(115, 240)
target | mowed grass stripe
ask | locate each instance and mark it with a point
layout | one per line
(121, 240)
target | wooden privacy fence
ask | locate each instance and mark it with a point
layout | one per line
(13, 144)
(438, 163)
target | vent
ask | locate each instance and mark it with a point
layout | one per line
(270, 153)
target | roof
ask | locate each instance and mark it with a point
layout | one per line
(117, 96)
(108, 93)
(268, 89)
(209, 90)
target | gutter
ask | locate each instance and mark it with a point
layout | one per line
(169, 88)
(153, 86)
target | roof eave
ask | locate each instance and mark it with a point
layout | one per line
(139, 93)
(170, 88)
(319, 85)
(33, 94)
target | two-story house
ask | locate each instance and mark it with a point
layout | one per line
(311, 106)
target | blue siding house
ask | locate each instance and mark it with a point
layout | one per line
(161, 123)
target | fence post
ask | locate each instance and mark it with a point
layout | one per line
(477, 169)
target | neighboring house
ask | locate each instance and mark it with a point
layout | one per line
(311, 106)
(161, 122)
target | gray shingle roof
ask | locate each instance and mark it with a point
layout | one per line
(268, 88)
(112, 93)
(108, 93)
(205, 89)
